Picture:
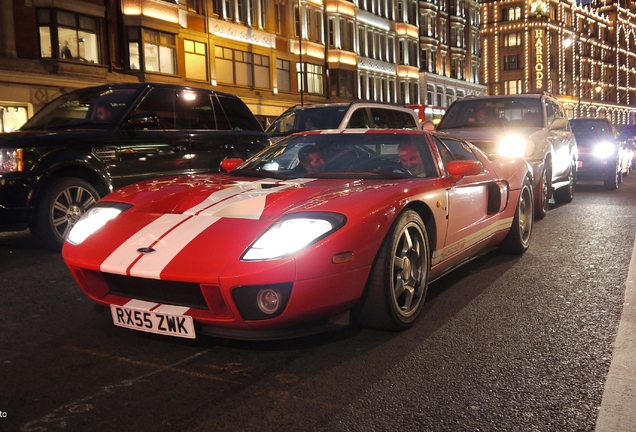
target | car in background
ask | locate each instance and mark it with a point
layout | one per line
(339, 116)
(274, 250)
(88, 142)
(602, 155)
(532, 126)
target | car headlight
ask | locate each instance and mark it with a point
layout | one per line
(515, 146)
(95, 218)
(293, 233)
(10, 160)
(604, 150)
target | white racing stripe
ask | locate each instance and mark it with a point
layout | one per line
(171, 233)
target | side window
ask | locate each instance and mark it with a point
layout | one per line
(382, 118)
(404, 120)
(196, 110)
(444, 152)
(459, 149)
(238, 114)
(222, 123)
(551, 115)
(358, 119)
(159, 104)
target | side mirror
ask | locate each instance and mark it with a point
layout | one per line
(228, 165)
(142, 121)
(460, 168)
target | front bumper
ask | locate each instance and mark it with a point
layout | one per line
(590, 168)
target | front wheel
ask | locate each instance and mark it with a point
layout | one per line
(518, 239)
(63, 203)
(399, 278)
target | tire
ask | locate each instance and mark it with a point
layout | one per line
(542, 195)
(565, 194)
(398, 282)
(517, 241)
(611, 183)
(62, 204)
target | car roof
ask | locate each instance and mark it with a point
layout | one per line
(139, 86)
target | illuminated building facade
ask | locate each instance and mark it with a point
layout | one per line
(362, 49)
(583, 54)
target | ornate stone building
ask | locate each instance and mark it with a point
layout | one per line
(583, 54)
(272, 53)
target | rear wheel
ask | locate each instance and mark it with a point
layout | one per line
(518, 239)
(63, 203)
(565, 194)
(399, 278)
(542, 195)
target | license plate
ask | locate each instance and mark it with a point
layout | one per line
(159, 321)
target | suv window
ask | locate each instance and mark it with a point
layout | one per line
(493, 112)
(160, 105)
(238, 114)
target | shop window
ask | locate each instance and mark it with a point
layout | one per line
(155, 54)
(242, 68)
(12, 117)
(68, 36)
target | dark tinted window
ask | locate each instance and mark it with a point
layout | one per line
(404, 120)
(196, 110)
(358, 119)
(159, 103)
(238, 114)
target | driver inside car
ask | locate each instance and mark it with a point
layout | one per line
(411, 159)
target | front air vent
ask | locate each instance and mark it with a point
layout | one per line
(106, 154)
(158, 291)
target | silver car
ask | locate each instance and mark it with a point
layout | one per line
(532, 126)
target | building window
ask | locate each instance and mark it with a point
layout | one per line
(196, 65)
(511, 14)
(193, 6)
(241, 68)
(342, 83)
(159, 51)
(69, 36)
(312, 75)
(512, 39)
(512, 87)
(283, 75)
(512, 62)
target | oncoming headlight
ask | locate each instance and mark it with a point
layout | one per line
(293, 233)
(604, 150)
(10, 160)
(95, 218)
(515, 146)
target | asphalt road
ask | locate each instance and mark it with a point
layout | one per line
(503, 344)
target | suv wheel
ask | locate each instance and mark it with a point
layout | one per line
(565, 194)
(63, 202)
(542, 195)
(611, 183)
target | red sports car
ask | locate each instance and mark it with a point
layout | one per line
(322, 229)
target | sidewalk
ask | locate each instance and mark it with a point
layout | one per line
(618, 407)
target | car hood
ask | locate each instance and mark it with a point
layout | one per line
(200, 225)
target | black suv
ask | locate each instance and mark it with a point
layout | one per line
(92, 141)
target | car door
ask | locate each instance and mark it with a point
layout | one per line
(467, 213)
(209, 132)
(151, 142)
(561, 140)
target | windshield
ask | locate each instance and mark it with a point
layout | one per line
(586, 131)
(93, 106)
(495, 112)
(360, 155)
(308, 118)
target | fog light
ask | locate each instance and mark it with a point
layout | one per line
(268, 301)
